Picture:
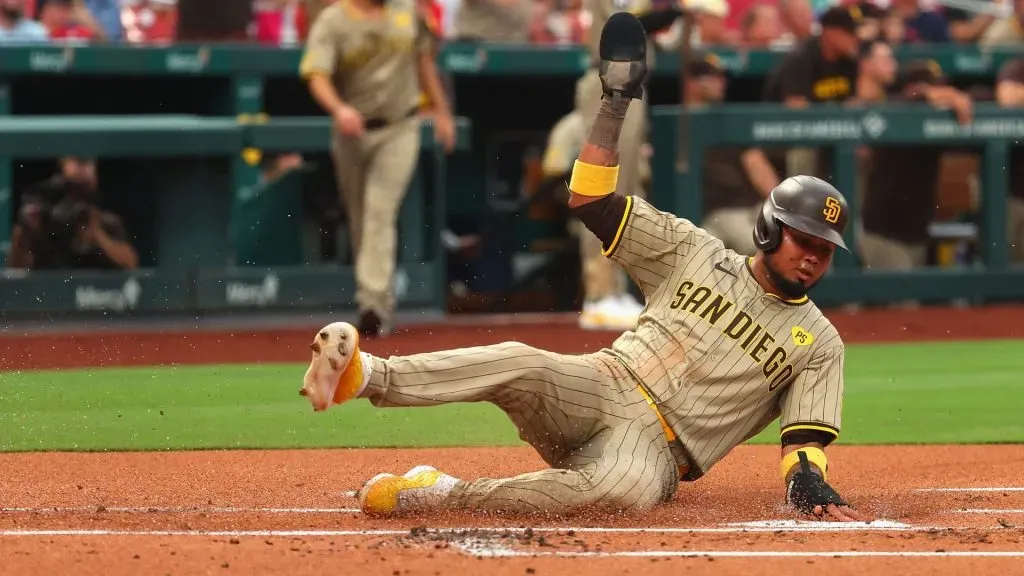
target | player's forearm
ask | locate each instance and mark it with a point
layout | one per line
(324, 93)
(599, 153)
(430, 82)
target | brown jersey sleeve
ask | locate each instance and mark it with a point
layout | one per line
(320, 55)
(814, 400)
(650, 243)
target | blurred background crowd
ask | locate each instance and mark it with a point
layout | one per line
(759, 24)
(830, 51)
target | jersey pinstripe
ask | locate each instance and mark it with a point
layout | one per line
(722, 357)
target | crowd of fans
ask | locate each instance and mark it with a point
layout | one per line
(756, 24)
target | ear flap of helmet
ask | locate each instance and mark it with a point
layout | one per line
(767, 233)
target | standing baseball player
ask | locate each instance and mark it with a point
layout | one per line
(365, 63)
(606, 302)
(726, 345)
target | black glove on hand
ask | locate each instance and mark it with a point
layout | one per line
(808, 490)
(623, 51)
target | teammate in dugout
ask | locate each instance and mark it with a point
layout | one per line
(726, 345)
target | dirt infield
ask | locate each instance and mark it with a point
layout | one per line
(941, 509)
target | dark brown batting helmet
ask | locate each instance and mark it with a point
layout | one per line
(808, 204)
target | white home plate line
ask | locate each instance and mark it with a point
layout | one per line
(435, 531)
(990, 511)
(979, 489)
(505, 552)
(814, 526)
(176, 510)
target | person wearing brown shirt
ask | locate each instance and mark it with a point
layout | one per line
(1010, 94)
(366, 62)
(736, 179)
(899, 198)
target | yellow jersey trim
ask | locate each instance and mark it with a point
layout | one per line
(810, 426)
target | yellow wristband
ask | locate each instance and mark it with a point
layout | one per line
(590, 180)
(815, 456)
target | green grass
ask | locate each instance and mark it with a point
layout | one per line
(921, 393)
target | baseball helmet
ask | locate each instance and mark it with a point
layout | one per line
(808, 204)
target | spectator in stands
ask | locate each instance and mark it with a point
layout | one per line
(822, 68)
(61, 225)
(150, 21)
(871, 21)
(899, 198)
(1010, 94)
(894, 29)
(797, 20)
(876, 72)
(736, 179)
(16, 28)
(966, 26)
(560, 22)
(105, 16)
(922, 25)
(494, 21)
(69, 20)
(280, 22)
(1008, 30)
(761, 27)
(709, 18)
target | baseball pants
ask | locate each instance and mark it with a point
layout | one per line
(601, 277)
(373, 174)
(582, 414)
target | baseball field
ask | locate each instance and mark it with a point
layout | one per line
(190, 452)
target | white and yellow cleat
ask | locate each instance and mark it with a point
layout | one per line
(420, 489)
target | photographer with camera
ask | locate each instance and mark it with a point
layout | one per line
(61, 226)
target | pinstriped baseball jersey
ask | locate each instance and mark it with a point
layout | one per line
(722, 357)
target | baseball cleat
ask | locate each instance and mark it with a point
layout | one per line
(419, 489)
(336, 373)
(623, 51)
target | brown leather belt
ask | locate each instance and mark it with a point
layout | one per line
(378, 123)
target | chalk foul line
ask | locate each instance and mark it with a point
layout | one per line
(494, 551)
(442, 531)
(172, 510)
(990, 511)
(976, 489)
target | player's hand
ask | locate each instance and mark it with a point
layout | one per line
(349, 121)
(841, 514)
(810, 494)
(444, 131)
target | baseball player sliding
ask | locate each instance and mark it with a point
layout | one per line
(725, 345)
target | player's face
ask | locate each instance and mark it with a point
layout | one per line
(799, 263)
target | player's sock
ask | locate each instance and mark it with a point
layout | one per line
(608, 123)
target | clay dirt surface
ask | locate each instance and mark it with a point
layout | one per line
(938, 509)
